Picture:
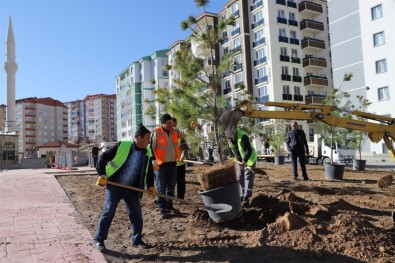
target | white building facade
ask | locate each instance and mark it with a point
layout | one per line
(363, 43)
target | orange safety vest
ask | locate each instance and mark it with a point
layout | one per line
(161, 144)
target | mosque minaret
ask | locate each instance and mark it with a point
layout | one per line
(10, 67)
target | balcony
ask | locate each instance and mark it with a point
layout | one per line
(296, 78)
(314, 98)
(281, 20)
(235, 32)
(283, 39)
(260, 61)
(236, 49)
(263, 98)
(291, 4)
(314, 62)
(287, 96)
(256, 5)
(285, 77)
(310, 9)
(293, 22)
(257, 23)
(281, 2)
(313, 44)
(284, 58)
(225, 40)
(260, 80)
(237, 66)
(315, 80)
(312, 26)
(295, 60)
(294, 41)
(239, 85)
(227, 90)
(236, 13)
(227, 74)
(298, 97)
(259, 42)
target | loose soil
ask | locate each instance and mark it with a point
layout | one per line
(287, 221)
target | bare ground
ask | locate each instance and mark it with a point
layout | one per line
(314, 221)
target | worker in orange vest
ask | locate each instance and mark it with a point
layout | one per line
(165, 145)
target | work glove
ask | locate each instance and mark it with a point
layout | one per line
(155, 165)
(152, 191)
(101, 181)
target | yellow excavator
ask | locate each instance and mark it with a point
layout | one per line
(382, 128)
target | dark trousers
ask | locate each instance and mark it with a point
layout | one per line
(181, 181)
(166, 179)
(294, 157)
(94, 160)
(114, 194)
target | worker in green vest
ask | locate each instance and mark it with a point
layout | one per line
(128, 163)
(246, 157)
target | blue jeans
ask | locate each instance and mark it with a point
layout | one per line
(166, 183)
(131, 199)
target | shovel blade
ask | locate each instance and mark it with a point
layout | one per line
(219, 208)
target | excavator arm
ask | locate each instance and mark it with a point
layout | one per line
(383, 129)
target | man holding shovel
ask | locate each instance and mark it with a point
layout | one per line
(127, 163)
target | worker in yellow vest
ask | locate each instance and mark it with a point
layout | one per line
(246, 157)
(128, 163)
(165, 145)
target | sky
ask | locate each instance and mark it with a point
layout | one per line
(68, 49)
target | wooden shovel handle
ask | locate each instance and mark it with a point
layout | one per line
(160, 195)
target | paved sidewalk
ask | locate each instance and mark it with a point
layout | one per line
(38, 223)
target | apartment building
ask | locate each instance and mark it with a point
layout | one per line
(282, 52)
(76, 121)
(39, 120)
(100, 117)
(135, 93)
(362, 42)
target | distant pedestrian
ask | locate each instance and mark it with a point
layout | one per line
(95, 154)
(298, 147)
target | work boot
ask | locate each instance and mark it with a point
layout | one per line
(173, 211)
(245, 202)
(99, 245)
(164, 214)
(306, 178)
(141, 244)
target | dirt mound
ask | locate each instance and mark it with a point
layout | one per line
(287, 221)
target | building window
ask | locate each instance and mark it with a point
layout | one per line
(378, 39)
(297, 90)
(259, 34)
(282, 32)
(281, 14)
(293, 34)
(377, 12)
(383, 93)
(284, 70)
(286, 89)
(295, 71)
(261, 72)
(381, 66)
(283, 51)
(260, 53)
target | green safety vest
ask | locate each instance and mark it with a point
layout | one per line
(253, 156)
(121, 156)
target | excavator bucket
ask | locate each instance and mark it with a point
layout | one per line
(229, 120)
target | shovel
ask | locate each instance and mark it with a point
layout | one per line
(196, 162)
(255, 170)
(216, 208)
